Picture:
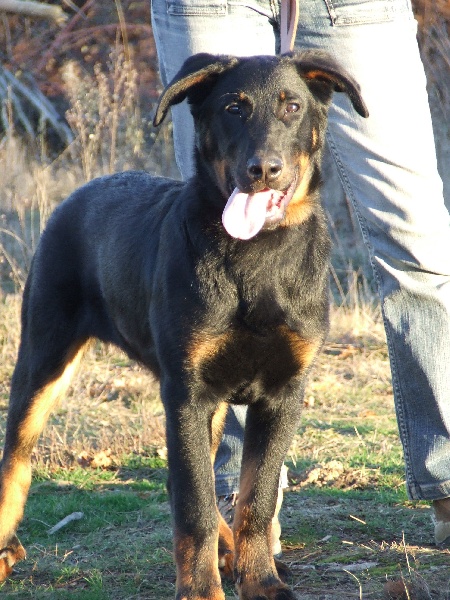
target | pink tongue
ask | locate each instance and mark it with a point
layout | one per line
(245, 214)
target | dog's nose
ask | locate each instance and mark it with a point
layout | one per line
(261, 169)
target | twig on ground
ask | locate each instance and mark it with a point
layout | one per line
(72, 517)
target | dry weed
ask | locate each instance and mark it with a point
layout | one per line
(104, 115)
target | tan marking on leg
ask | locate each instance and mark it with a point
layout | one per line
(226, 549)
(14, 486)
(15, 473)
(10, 554)
(257, 575)
(251, 551)
(44, 401)
(268, 588)
(226, 543)
(184, 559)
(255, 566)
(217, 427)
(254, 563)
(197, 570)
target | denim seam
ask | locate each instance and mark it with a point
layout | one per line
(252, 6)
(217, 8)
(341, 18)
(410, 479)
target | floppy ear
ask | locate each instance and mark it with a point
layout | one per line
(197, 70)
(324, 75)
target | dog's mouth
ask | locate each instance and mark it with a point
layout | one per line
(245, 214)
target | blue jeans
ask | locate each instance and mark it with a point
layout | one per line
(387, 164)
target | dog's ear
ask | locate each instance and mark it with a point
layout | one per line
(198, 70)
(324, 76)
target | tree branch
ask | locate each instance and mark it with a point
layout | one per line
(33, 9)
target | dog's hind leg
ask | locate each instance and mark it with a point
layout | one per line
(48, 355)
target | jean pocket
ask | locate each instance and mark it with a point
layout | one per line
(213, 8)
(359, 12)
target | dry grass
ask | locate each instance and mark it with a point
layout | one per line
(114, 403)
(104, 114)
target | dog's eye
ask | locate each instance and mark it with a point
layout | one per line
(292, 107)
(234, 109)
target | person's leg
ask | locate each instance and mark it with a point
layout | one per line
(387, 165)
(182, 28)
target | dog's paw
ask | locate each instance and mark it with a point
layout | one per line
(9, 556)
(284, 572)
(213, 593)
(275, 590)
(226, 563)
(226, 550)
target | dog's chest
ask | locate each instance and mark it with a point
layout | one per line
(244, 365)
(244, 348)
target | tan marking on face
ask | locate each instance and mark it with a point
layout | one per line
(315, 138)
(282, 96)
(304, 351)
(301, 206)
(319, 74)
(219, 166)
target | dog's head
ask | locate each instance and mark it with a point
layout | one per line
(260, 124)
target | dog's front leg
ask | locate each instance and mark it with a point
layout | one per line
(269, 430)
(192, 497)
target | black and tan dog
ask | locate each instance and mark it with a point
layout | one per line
(217, 285)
